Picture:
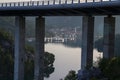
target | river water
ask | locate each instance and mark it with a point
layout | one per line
(66, 59)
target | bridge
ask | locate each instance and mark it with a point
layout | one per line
(60, 8)
(86, 8)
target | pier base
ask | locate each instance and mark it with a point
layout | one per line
(19, 48)
(87, 47)
(109, 37)
(87, 42)
(39, 51)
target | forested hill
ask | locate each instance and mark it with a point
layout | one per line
(51, 22)
(63, 21)
(7, 23)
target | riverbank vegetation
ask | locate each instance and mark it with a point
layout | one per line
(109, 67)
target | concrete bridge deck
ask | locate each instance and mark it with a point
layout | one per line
(41, 8)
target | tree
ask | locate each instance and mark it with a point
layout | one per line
(7, 59)
(48, 63)
(48, 66)
(110, 68)
(71, 75)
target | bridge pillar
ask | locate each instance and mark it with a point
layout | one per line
(109, 37)
(39, 54)
(19, 48)
(87, 41)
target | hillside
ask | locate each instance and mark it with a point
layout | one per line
(51, 22)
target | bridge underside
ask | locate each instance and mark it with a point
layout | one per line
(96, 8)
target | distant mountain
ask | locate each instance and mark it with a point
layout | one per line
(62, 21)
(118, 25)
(74, 21)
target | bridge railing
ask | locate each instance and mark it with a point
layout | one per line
(49, 2)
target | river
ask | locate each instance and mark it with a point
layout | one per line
(66, 59)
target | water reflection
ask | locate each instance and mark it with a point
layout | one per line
(66, 59)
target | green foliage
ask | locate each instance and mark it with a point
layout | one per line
(48, 64)
(29, 49)
(29, 69)
(6, 56)
(8, 19)
(71, 75)
(110, 68)
(93, 78)
(7, 59)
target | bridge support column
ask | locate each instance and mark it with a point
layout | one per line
(19, 48)
(87, 42)
(109, 37)
(39, 54)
